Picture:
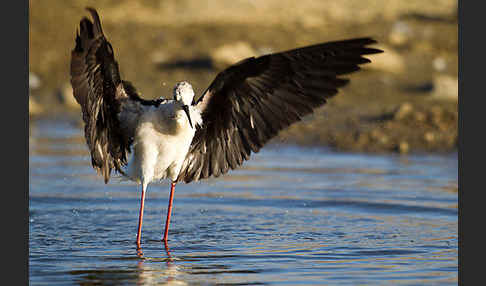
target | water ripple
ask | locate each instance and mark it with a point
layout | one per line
(291, 215)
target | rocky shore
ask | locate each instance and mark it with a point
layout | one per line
(404, 101)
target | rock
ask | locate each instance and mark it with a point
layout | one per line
(440, 64)
(34, 81)
(383, 139)
(375, 134)
(231, 53)
(66, 97)
(446, 87)
(436, 112)
(403, 111)
(159, 57)
(419, 116)
(403, 147)
(378, 136)
(34, 107)
(389, 60)
(400, 34)
(429, 136)
(362, 139)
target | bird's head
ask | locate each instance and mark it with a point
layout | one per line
(183, 92)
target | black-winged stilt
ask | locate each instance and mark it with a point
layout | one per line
(184, 139)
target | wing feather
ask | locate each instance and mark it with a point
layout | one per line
(251, 101)
(104, 98)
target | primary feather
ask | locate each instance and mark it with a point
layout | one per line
(250, 102)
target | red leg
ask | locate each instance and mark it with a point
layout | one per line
(140, 218)
(169, 211)
(167, 251)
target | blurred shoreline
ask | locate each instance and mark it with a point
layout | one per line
(404, 101)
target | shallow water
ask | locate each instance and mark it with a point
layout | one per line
(290, 216)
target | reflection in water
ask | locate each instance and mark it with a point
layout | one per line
(354, 219)
(148, 271)
(155, 273)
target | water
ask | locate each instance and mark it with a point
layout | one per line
(290, 216)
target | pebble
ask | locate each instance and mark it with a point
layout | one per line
(231, 53)
(446, 87)
(34, 107)
(419, 116)
(65, 95)
(440, 64)
(389, 61)
(403, 111)
(159, 57)
(34, 81)
(429, 136)
(403, 147)
(400, 33)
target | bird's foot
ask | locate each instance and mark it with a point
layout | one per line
(166, 245)
(139, 252)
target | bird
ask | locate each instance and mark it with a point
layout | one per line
(185, 139)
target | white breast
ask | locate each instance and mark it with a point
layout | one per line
(161, 142)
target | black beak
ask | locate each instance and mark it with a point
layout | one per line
(186, 109)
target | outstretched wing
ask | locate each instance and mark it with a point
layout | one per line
(250, 102)
(110, 105)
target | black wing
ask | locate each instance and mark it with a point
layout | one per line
(250, 102)
(102, 94)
